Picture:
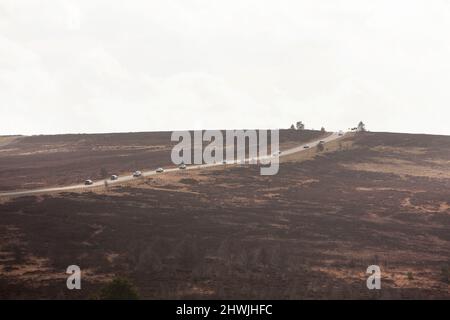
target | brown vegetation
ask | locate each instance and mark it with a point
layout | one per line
(309, 232)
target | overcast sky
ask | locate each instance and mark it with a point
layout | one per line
(112, 66)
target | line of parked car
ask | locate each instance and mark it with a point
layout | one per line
(182, 166)
(136, 174)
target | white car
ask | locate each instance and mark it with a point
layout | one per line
(137, 174)
(182, 166)
(160, 170)
(114, 177)
(341, 133)
(88, 182)
(306, 147)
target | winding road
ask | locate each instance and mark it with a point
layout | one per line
(122, 179)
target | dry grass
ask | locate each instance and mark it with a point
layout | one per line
(399, 167)
(397, 150)
(5, 140)
(439, 207)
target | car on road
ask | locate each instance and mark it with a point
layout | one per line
(182, 166)
(137, 174)
(340, 133)
(321, 141)
(306, 147)
(114, 177)
(224, 162)
(88, 182)
(160, 170)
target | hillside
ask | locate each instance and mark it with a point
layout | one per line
(309, 232)
(31, 162)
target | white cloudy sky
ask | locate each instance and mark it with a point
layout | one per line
(109, 65)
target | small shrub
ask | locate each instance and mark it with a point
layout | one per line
(320, 147)
(445, 274)
(188, 181)
(119, 289)
(103, 173)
